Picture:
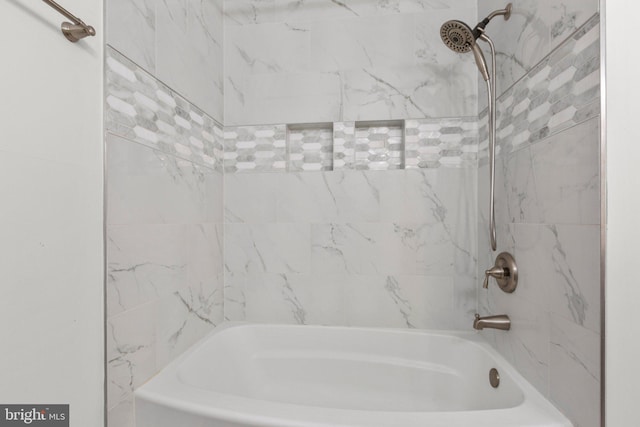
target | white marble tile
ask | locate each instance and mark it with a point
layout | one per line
(213, 196)
(355, 196)
(131, 352)
(131, 29)
(335, 248)
(235, 300)
(269, 248)
(566, 16)
(306, 61)
(428, 197)
(335, 299)
(307, 197)
(294, 11)
(273, 48)
(251, 198)
(521, 192)
(352, 196)
(122, 415)
(310, 10)
(399, 301)
(336, 46)
(147, 186)
(144, 262)
(192, 310)
(249, 12)
(435, 249)
(575, 372)
(465, 301)
(186, 316)
(286, 298)
(396, 92)
(567, 175)
(204, 253)
(559, 267)
(321, 296)
(277, 298)
(576, 257)
(521, 42)
(526, 345)
(371, 248)
(188, 45)
(283, 97)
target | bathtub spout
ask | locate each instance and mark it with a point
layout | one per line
(500, 321)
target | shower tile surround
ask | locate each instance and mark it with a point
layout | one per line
(310, 230)
(164, 224)
(377, 221)
(548, 217)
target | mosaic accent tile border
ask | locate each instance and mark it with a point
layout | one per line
(310, 148)
(255, 149)
(344, 144)
(384, 145)
(433, 143)
(561, 91)
(141, 108)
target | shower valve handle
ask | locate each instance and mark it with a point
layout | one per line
(504, 271)
(497, 272)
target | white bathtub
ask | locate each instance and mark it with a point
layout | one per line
(313, 376)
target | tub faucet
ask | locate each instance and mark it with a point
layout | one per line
(500, 321)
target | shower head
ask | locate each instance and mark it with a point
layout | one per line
(460, 38)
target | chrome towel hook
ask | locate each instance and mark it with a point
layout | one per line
(74, 30)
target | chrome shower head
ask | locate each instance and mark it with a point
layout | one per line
(458, 36)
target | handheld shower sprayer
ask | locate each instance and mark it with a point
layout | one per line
(460, 38)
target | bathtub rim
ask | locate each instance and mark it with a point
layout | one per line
(167, 390)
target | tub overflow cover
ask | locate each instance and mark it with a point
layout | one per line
(494, 378)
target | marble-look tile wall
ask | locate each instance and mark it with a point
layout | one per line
(548, 217)
(535, 28)
(179, 42)
(309, 61)
(164, 229)
(391, 248)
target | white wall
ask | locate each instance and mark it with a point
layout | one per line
(51, 308)
(623, 205)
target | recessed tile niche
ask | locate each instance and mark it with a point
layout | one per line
(370, 145)
(379, 145)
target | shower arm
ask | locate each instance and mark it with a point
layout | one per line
(491, 91)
